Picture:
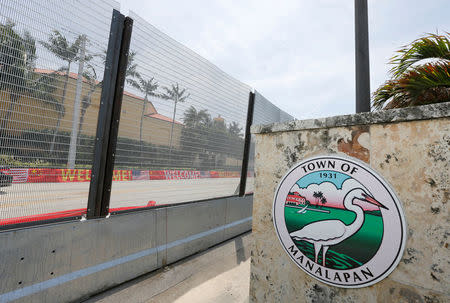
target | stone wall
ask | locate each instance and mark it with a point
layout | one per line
(410, 148)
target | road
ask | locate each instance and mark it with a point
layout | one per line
(26, 199)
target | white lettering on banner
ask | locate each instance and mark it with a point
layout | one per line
(181, 174)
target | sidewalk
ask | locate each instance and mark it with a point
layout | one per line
(220, 274)
(230, 286)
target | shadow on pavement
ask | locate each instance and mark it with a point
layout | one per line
(172, 282)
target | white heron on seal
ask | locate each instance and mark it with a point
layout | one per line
(325, 233)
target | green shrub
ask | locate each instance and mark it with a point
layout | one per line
(32, 149)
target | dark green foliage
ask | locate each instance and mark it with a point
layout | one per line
(210, 140)
(415, 80)
(32, 147)
(18, 76)
(62, 48)
(13, 58)
(17, 56)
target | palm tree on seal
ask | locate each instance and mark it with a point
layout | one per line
(323, 201)
(316, 195)
(319, 197)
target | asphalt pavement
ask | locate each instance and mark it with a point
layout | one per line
(26, 199)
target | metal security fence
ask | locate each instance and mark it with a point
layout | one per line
(177, 131)
(182, 112)
(51, 75)
(182, 120)
(264, 112)
(51, 67)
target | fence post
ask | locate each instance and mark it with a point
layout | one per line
(109, 115)
(244, 169)
(362, 57)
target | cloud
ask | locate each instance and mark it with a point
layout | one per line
(298, 54)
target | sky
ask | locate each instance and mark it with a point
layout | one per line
(316, 177)
(299, 54)
(334, 192)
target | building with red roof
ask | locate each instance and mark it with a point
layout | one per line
(295, 198)
(31, 113)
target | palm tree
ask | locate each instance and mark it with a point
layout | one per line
(194, 119)
(175, 94)
(148, 87)
(131, 74)
(194, 136)
(234, 129)
(316, 195)
(323, 201)
(68, 52)
(319, 197)
(420, 74)
(92, 80)
(17, 72)
(17, 57)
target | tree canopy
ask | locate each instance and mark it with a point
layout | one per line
(207, 137)
(420, 74)
(17, 70)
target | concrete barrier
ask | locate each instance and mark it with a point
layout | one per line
(218, 274)
(410, 148)
(69, 261)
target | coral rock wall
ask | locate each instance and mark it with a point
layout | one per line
(412, 154)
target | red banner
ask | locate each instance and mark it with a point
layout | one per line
(74, 175)
(156, 175)
(229, 174)
(181, 174)
(140, 175)
(44, 175)
(122, 175)
(40, 175)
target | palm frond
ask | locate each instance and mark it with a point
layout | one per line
(17, 58)
(429, 83)
(431, 46)
(131, 71)
(61, 48)
(174, 93)
(424, 84)
(149, 86)
(196, 119)
(133, 83)
(29, 43)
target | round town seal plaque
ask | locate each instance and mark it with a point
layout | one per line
(339, 221)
